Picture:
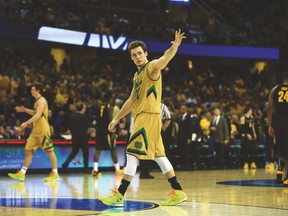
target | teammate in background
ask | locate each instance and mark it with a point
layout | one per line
(277, 114)
(39, 137)
(145, 142)
(105, 140)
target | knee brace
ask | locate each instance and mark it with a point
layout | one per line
(131, 166)
(164, 164)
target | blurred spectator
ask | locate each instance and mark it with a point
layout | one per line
(184, 136)
(220, 136)
(8, 132)
(18, 133)
(2, 132)
(196, 138)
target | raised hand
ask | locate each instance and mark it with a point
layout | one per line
(178, 37)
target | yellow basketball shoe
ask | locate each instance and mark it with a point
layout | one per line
(96, 174)
(175, 197)
(285, 183)
(246, 166)
(253, 165)
(18, 175)
(116, 199)
(270, 166)
(52, 177)
(119, 172)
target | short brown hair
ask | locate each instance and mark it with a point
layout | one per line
(37, 86)
(135, 44)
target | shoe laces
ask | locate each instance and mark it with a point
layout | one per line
(113, 192)
(172, 194)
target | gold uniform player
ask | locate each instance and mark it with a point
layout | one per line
(39, 137)
(145, 140)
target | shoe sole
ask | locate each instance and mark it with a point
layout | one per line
(54, 180)
(16, 178)
(178, 202)
(109, 204)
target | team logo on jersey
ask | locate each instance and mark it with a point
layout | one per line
(140, 142)
(138, 145)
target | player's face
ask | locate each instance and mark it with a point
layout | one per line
(34, 92)
(138, 56)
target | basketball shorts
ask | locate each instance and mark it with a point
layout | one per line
(145, 141)
(104, 139)
(281, 135)
(34, 142)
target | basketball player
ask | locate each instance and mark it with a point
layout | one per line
(277, 114)
(249, 139)
(145, 141)
(39, 137)
(105, 140)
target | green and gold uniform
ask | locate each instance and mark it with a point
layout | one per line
(40, 135)
(145, 141)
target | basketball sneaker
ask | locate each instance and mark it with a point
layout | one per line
(18, 175)
(246, 166)
(253, 165)
(175, 197)
(96, 174)
(285, 183)
(52, 177)
(119, 172)
(116, 199)
(270, 166)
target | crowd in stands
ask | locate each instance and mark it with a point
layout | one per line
(247, 23)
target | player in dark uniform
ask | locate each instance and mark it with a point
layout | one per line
(249, 136)
(277, 113)
(105, 140)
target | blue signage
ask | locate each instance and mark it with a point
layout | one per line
(121, 43)
(12, 157)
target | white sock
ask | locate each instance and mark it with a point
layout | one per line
(96, 166)
(117, 167)
(24, 170)
(55, 170)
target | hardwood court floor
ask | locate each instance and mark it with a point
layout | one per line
(206, 196)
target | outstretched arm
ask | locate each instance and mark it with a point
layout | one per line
(24, 109)
(157, 65)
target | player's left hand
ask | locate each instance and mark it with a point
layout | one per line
(112, 125)
(178, 37)
(271, 131)
(23, 125)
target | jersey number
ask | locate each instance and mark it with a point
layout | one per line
(101, 110)
(282, 96)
